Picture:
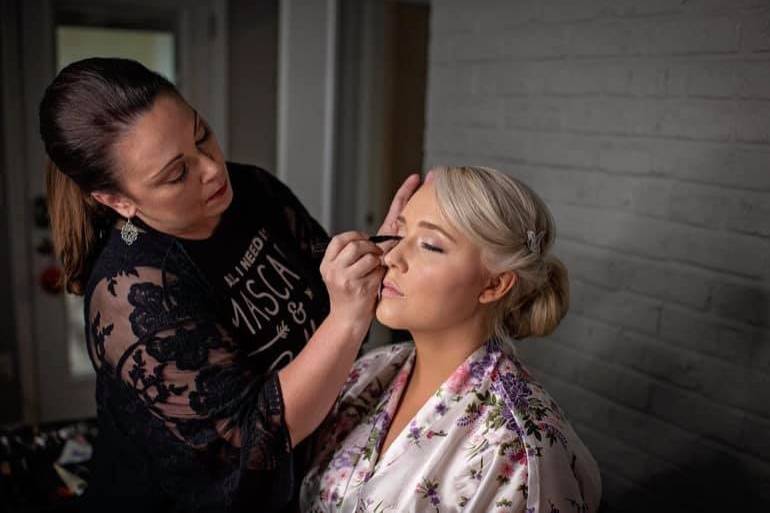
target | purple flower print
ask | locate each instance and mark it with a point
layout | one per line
(517, 390)
(415, 432)
(510, 421)
(480, 367)
(382, 420)
(344, 459)
(554, 434)
(429, 490)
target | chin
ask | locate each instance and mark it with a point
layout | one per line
(390, 318)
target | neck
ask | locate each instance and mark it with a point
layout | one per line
(438, 354)
(200, 231)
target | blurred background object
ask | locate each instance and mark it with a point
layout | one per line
(45, 468)
(645, 124)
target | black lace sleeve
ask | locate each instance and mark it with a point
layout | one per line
(189, 378)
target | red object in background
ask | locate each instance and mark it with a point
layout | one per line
(50, 279)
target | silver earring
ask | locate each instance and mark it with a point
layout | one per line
(129, 232)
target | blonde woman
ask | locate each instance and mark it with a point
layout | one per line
(453, 421)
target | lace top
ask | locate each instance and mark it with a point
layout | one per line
(190, 409)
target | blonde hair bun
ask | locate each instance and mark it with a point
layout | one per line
(515, 230)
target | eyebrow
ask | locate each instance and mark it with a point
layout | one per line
(429, 226)
(179, 155)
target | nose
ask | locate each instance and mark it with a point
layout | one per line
(209, 167)
(395, 258)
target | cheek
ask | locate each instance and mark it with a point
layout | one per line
(181, 201)
(218, 155)
(438, 296)
(175, 207)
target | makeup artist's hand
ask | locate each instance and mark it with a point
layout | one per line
(352, 271)
(389, 225)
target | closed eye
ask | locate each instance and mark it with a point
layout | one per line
(431, 247)
(205, 135)
(181, 175)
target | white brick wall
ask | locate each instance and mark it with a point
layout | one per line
(645, 124)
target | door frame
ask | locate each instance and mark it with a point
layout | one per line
(307, 102)
(28, 60)
(17, 210)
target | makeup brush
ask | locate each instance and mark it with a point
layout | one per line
(320, 248)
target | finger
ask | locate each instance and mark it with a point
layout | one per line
(399, 201)
(355, 250)
(372, 281)
(364, 266)
(388, 245)
(430, 176)
(375, 277)
(339, 242)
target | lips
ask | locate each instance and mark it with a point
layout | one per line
(219, 192)
(391, 289)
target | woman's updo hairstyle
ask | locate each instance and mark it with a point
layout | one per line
(515, 231)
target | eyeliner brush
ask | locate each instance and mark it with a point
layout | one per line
(320, 248)
(384, 238)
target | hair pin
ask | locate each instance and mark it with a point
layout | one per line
(534, 240)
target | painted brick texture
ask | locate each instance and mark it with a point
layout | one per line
(645, 125)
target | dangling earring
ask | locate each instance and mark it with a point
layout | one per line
(129, 232)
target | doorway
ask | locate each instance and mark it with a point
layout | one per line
(380, 117)
(186, 41)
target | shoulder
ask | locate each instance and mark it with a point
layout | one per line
(244, 172)
(153, 277)
(553, 449)
(378, 366)
(151, 250)
(381, 358)
(386, 354)
(120, 259)
(524, 399)
(248, 177)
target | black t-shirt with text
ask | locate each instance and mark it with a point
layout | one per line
(271, 305)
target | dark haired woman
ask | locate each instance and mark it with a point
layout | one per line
(219, 335)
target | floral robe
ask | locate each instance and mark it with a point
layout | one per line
(489, 439)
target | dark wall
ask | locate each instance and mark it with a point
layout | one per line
(10, 392)
(253, 66)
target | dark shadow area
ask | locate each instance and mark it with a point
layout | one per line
(706, 486)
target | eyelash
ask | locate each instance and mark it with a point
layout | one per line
(432, 248)
(181, 176)
(200, 141)
(425, 245)
(206, 134)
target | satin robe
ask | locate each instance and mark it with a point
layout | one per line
(489, 439)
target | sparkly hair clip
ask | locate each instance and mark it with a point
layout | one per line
(534, 240)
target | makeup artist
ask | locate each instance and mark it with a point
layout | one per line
(220, 332)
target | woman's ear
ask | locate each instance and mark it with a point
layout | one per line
(498, 286)
(116, 202)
